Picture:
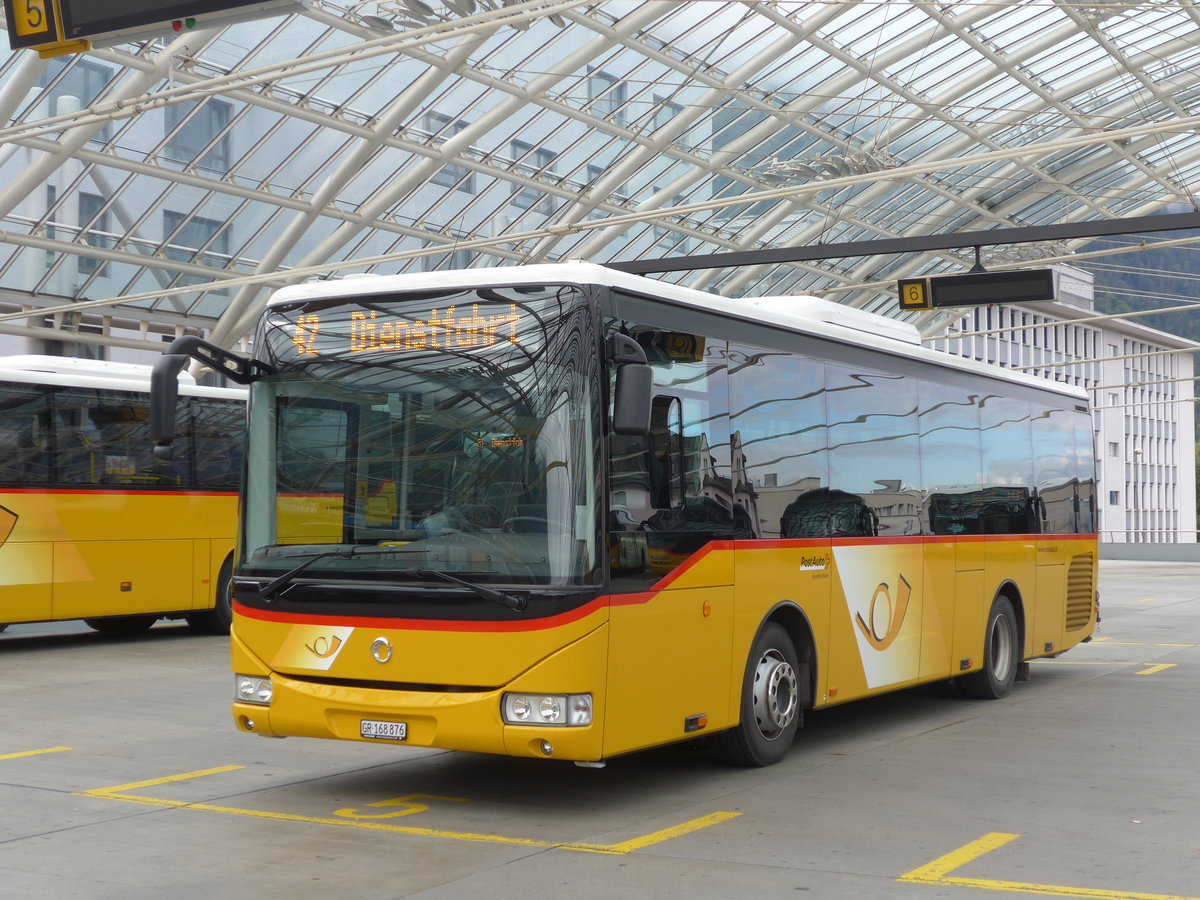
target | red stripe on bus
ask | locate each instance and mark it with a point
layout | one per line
(136, 492)
(573, 615)
(631, 599)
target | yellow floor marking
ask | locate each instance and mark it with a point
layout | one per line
(1154, 669)
(1084, 662)
(938, 872)
(656, 837)
(34, 752)
(119, 792)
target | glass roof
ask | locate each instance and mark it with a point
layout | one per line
(174, 182)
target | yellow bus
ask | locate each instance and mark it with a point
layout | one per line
(92, 527)
(565, 512)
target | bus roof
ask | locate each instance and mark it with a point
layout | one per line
(803, 314)
(65, 371)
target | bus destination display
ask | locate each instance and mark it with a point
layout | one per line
(368, 331)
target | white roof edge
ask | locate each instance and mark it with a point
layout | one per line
(62, 371)
(806, 315)
(72, 365)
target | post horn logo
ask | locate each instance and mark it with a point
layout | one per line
(8, 521)
(895, 615)
(325, 648)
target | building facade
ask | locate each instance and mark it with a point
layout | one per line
(1142, 391)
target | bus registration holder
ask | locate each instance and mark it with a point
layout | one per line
(384, 731)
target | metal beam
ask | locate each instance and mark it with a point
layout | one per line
(918, 244)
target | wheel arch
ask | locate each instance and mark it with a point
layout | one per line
(1008, 588)
(795, 622)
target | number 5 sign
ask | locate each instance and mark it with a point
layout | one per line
(32, 23)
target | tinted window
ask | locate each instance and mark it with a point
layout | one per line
(873, 453)
(79, 436)
(672, 491)
(1007, 467)
(951, 460)
(24, 439)
(780, 462)
(1055, 470)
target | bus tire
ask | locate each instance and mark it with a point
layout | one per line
(122, 624)
(1001, 655)
(218, 619)
(771, 702)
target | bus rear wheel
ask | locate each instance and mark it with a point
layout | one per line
(1001, 655)
(771, 702)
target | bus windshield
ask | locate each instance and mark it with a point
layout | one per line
(453, 432)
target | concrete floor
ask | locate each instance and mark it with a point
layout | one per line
(121, 777)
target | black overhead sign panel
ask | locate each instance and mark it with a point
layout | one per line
(976, 289)
(85, 18)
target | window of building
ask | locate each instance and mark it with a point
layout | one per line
(441, 128)
(1114, 448)
(196, 239)
(79, 78)
(606, 96)
(1114, 498)
(532, 161)
(665, 112)
(452, 259)
(191, 127)
(93, 219)
(51, 199)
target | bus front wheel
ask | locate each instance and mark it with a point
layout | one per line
(771, 702)
(1001, 655)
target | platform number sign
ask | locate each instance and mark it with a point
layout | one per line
(32, 23)
(914, 293)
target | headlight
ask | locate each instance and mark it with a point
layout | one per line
(547, 709)
(252, 689)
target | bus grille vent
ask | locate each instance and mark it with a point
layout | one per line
(1080, 591)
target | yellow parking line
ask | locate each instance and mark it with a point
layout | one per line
(1154, 669)
(938, 872)
(34, 752)
(119, 792)
(656, 837)
(1084, 662)
(1151, 668)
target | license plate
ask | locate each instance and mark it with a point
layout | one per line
(383, 731)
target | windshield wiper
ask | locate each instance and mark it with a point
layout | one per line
(272, 588)
(269, 591)
(515, 602)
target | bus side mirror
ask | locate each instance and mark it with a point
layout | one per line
(631, 393)
(631, 399)
(164, 397)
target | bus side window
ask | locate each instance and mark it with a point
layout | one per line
(22, 436)
(77, 442)
(665, 454)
